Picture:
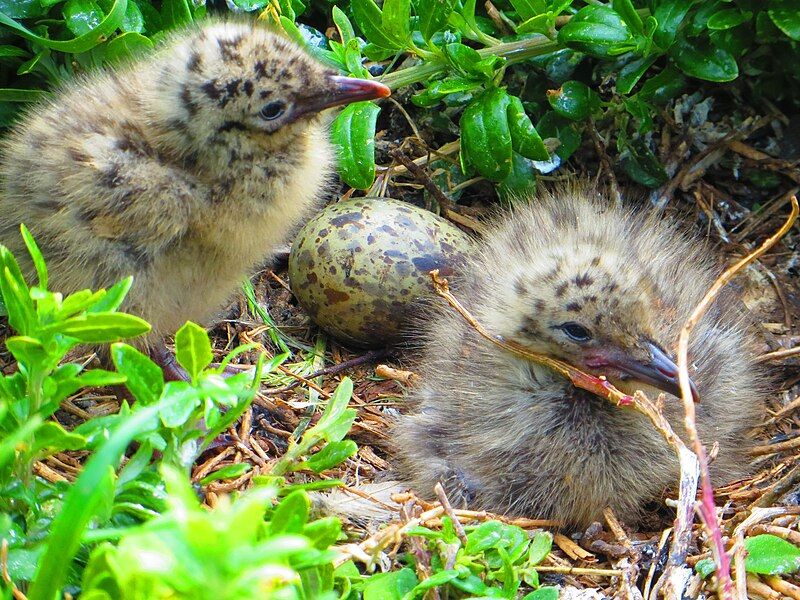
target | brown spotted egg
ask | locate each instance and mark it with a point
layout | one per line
(360, 265)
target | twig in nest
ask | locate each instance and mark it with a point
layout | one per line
(707, 506)
(404, 377)
(779, 354)
(448, 509)
(596, 385)
(368, 357)
(420, 175)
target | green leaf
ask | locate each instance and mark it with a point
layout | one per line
(390, 586)
(291, 515)
(705, 567)
(54, 438)
(640, 163)
(630, 74)
(16, 295)
(331, 455)
(144, 378)
(369, 19)
(227, 472)
(786, 16)
(485, 135)
(543, 593)
(520, 182)
(36, 256)
(20, 95)
(175, 13)
(353, 133)
(113, 297)
(669, 15)
(661, 88)
(527, 9)
(574, 100)
(434, 16)
(435, 580)
(334, 411)
(346, 31)
(26, 350)
(82, 16)
(524, 137)
(324, 532)
(193, 349)
(395, 19)
(770, 555)
(553, 125)
(99, 328)
(133, 21)
(82, 43)
(597, 30)
(628, 13)
(23, 9)
(538, 24)
(540, 547)
(180, 402)
(728, 18)
(76, 303)
(128, 45)
(698, 58)
(488, 535)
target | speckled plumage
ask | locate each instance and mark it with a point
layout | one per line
(163, 169)
(505, 435)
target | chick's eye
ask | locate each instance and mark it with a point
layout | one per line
(272, 110)
(576, 332)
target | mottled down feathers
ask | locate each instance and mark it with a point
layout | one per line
(162, 169)
(503, 434)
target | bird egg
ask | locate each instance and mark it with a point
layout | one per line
(360, 266)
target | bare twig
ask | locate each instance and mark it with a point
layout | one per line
(448, 509)
(596, 385)
(420, 175)
(707, 506)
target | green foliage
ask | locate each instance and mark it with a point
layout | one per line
(230, 552)
(766, 555)
(464, 69)
(494, 563)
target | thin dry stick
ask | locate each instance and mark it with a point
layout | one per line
(778, 354)
(597, 385)
(448, 509)
(707, 506)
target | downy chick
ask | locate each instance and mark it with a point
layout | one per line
(184, 169)
(608, 291)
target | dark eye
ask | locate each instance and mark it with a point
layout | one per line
(576, 331)
(272, 110)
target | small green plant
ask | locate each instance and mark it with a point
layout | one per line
(231, 552)
(767, 554)
(47, 327)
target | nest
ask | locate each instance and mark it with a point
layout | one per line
(610, 559)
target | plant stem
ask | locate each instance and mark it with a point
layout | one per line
(514, 52)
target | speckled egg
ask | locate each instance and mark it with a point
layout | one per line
(359, 265)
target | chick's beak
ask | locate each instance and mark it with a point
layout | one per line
(660, 371)
(343, 90)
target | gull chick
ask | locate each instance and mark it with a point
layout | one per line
(606, 290)
(184, 169)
